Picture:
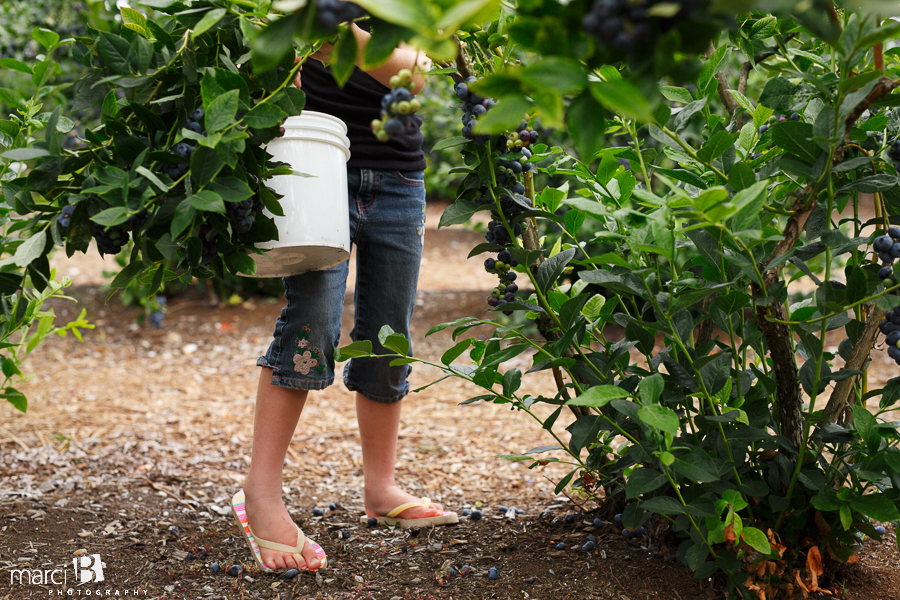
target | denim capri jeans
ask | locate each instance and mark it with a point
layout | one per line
(387, 226)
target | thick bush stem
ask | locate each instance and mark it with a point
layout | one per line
(530, 241)
(787, 380)
(840, 397)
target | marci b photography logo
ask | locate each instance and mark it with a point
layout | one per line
(87, 569)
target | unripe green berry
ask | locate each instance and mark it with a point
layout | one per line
(495, 293)
(513, 136)
(499, 266)
(395, 81)
(405, 76)
(403, 107)
(415, 105)
(382, 136)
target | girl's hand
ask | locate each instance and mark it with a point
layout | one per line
(297, 78)
(323, 54)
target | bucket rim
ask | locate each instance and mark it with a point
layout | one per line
(303, 138)
(316, 114)
(290, 131)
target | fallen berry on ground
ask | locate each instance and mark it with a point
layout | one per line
(215, 568)
(345, 534)
(476, 515)
(291, 573)
(598, 523)
(561, 546)
(493, 573)
(466, 512)
(318, 512)
(373, 521)
(588, 546)
(234, 570)
(880, 529)
(569, 518)
(332, 506)
(618, 520)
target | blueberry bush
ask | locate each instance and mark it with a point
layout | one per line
(712, 159)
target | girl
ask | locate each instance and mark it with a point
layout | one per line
(387, 217)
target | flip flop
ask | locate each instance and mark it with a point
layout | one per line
(255, 543)
(448, 518)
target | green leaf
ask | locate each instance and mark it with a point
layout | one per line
(794, 138)
(586, 122)
(741, 176)
(756, 539)
(24, 154)
(30, 249)
(241, 262)
(713, 66)
(344, 57)
(561, 75)
(663, 505)
(221, 111)
(208, 201)
(46, 38)
(231, 189)
(651, 389)
(505, 116)
(660, 417)
(550, 270)
(676, 94)
(208, 22)
(748, 203)
(17, 65)
(643, 481)
(111, 216)
(623, 97)
(276, 41)
(358, 348)
(264, 115)
(205, 165)
(456, 351)
(598, 396)
(115, 52)
(184, 214)
(16, 398)
(715, 146)
(876, 506)
(867, 427)
(134, 20)
(150, 176)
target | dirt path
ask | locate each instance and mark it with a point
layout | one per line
(136, 439)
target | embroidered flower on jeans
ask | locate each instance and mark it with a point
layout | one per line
(303, 343)
(304, 362)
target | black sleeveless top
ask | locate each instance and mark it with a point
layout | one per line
(357, 104)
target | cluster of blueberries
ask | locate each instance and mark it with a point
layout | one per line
(331, 13)
(888, 248)
(779, 119)
(893, 148)
(242, 214)
(185, 150)
(628, 533)
(624, 24)
(507, 288)
(110, 240)
(209, 251)
(473, 106)
(397, 108)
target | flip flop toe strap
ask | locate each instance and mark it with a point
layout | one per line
(422, 502)
(301, 539)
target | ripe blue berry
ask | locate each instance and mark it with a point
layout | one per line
(466, 512)
(882, 243)
(511, 276)
(394, 127)
(332, 506)
(618, 520)
(234, 570)
(475, 516)
(569, 518)
(880, 529)
(372, 521)
(493, 573)
(892, 338)
(894, 232)
(318, 512)
(291, 573)
(198, 114)
(763, 129)
(215, 568)
(895, 250)
(885, 272)
(345, 534)
(795, 116)
(588, 546)
(598, 523)
(561, 546)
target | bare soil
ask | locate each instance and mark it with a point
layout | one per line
(136, 439)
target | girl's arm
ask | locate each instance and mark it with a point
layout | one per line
(403, 57)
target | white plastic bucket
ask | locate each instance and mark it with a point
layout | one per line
(314, 233)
